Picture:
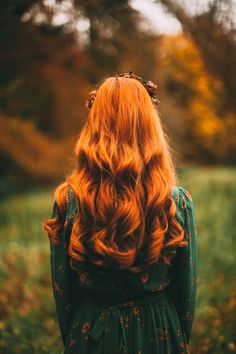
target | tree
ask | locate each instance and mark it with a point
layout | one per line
(213, 32)
(47, 69)
(207, 136)
(207, 91)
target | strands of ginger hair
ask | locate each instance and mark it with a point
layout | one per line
(123, 181)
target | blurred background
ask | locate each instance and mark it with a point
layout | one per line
(52, 54)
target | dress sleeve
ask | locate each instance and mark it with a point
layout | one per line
(183, 285)
(63, 276)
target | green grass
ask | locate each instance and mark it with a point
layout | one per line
(214, 197)
(28, 320)
(28, 323)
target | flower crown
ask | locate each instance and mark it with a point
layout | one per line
(149, 86)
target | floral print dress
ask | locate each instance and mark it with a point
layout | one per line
(107, 311)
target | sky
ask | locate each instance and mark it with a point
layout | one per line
(162, 22)
(156, 17)
(159, 20)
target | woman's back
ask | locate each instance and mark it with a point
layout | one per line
(106, 310)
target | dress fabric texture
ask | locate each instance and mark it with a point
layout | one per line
(106, 311)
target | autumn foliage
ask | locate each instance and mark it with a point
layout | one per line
(47, 70)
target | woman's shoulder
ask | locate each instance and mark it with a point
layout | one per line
(181, 193)
(182, 197)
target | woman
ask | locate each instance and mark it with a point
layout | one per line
(122, 234)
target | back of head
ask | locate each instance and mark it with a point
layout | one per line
(123, 109)
(123, 181)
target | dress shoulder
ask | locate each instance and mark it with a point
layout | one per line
(181, 193)
(183, 200)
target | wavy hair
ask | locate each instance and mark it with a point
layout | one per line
(122, 181)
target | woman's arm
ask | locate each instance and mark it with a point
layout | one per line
(183, 286)
(63, 278)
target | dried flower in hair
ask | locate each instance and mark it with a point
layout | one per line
(90, 101)
(149, 86)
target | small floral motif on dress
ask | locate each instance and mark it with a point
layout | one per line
(107, 329)
(187, 317)
(101, 316)
(86, 327)
(124, 320)
(129, 304)
(71, 344)
(144, 277)
(177, 197)
(189, 196)
(162, 333)
(57, 288)
(61, 268)
(162, 286)
(179, 332)
(75, 324)
(184, 203)
(84, 278)
(183, 346)
(136, 311)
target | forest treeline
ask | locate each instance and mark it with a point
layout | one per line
(54, 52)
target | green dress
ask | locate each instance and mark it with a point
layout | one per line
(107, 311)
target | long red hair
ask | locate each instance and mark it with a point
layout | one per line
(122, 181)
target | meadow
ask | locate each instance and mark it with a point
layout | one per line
(27, 316)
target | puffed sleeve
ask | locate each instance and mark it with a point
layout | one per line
(183, 287)
(63, 276)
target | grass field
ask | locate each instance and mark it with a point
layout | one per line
(27, 322)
